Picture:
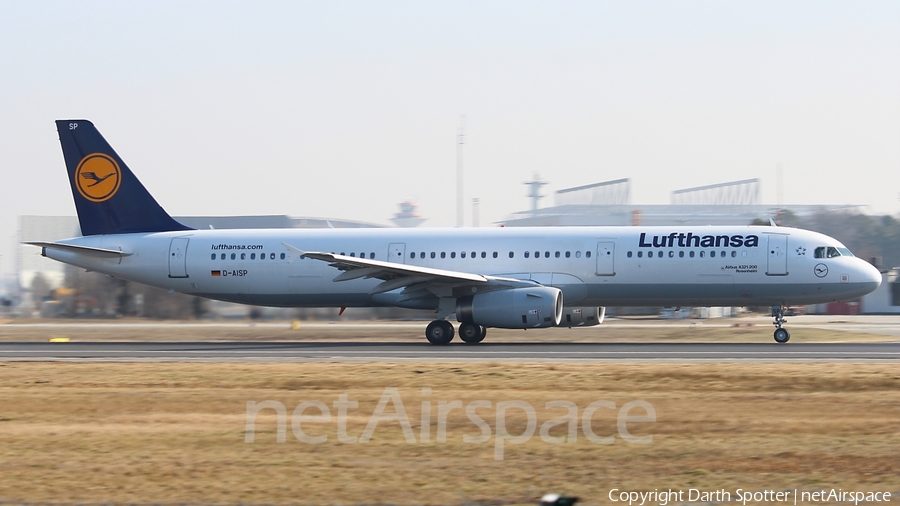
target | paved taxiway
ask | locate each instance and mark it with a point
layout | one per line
(392, 352)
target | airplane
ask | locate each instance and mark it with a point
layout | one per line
(514, 278)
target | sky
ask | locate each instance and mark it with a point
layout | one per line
(345, 109)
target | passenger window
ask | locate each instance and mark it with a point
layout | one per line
(452, 254)
(372, 255)
(432, 254)
(511, 254)
(588, 254)
(462, 254)
(722, 254)
(702, 254)
(628, 254)
(422, 255)
(222, 257)
(577, 254)
(527, 254)
(671, 254)
(252, 256)
(213, 257)
(681, 254)
(537, 254)
(411, 255)
(495, 254)
(484, 254)
(733, 254)
(568, 254)
(692, 254)
(473, 254)
(649, 254)
(556, 254)
(640, 254)
(443, 254)
(271, 256)
(244, 256)
(820, 252)
(659, 254)
(712, 254)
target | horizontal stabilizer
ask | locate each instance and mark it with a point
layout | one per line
(84, 250)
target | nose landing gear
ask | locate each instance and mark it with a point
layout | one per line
(781, 334)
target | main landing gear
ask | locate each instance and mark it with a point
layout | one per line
(441, 332)
(781, 334)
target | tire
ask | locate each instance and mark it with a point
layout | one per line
(471, 333)
(439, 332)
(782, 336)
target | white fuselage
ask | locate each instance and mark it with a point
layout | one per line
(593, 266)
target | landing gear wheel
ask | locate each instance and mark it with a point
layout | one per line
(471, 333)
(782, 336)
(439, 332)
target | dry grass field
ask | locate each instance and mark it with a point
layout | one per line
(175, 432)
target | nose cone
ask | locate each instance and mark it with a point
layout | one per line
(868, 278)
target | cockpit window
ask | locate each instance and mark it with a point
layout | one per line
(831, 252)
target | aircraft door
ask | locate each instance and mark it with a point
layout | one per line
(397, 252)
(777, 255)
(178, 257)
(606, 255)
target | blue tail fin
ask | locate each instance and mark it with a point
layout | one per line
(108, 197)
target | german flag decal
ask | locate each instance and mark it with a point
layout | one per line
(216, 273)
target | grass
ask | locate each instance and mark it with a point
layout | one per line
(175, 432)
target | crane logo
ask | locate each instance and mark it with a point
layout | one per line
(98, 177)
(821, 270)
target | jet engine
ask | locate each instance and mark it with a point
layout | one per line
(582, 316)
(514, 308)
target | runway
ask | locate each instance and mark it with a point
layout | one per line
(485, 352)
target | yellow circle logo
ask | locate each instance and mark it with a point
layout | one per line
(98, 177)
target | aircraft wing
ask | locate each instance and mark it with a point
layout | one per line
(396, 275)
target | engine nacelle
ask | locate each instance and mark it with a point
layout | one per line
(582, 316)
(515, 308)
